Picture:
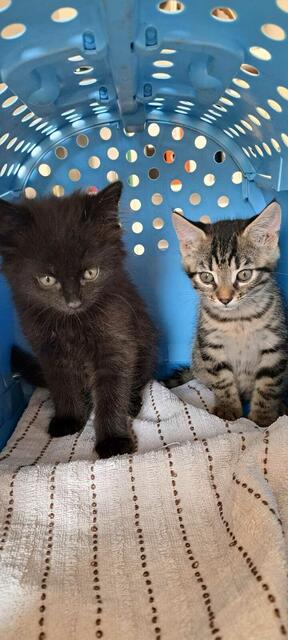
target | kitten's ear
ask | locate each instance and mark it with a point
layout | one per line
(188, 233)
(11, 220)
(264, 229)
(106, 200)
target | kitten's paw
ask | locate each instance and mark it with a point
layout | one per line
(228, 413)
(263, 419)
(135, 406)
(115, 446)
(178, 377)
(64, 426)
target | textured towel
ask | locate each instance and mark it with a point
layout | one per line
(184, 540)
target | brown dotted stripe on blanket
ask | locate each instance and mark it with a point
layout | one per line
(238, 547)
(94, 562)
(189, 420)
(10, 508)
(74, 445)
(258, 496)
(265, 459)
(48, 553)
(27, 428)
(194, 564)
(143, 558)
(205, 405)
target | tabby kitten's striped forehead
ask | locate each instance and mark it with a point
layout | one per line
(229, 259)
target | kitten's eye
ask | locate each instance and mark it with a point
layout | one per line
(206, 277)
(245, 275)
(47, 281)
(91, 274)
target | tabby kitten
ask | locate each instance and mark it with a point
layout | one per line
(64, 260)
(240, 351)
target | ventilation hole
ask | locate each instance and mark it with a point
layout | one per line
(195, 198)
(186, 103)
(58, 190)
(11, 143)
(112, 176)
(75, 59)
(276, 145)
(246, 125)
(12, 31)
(283, 91)
(139, 249)
(153, 173)
(241, 83)
(167, 52)
(68, 113)
(232, 93)
(219, 156)
(161, 76)
(171, 6)
(239, 128)
(267, 148)
(162, 245)
(260, 53)
(87, 82)
(177, 133)
(157, 198)
(200, 142)
(153, 130)
(105, 133)
(94, 162)
(273, 31)
(82, 140)
(29, 116)
(131, 155)
(9, 101)
(2, 172)
(133, 180)
(169, 156)
(237, 177)
(64, 14)
(283, 5)
(274, 105)
(113, 153)
(163, 63)
(137, 227)
(5, 4)
(250, 69)
(44, 170)
(262, 112)
(83, 69)
(149, 150)
(19, 145)
(74, 175)
(209, 180)
(158, 223)
(284, 137)
(30, 193)
(129, 134)
(176, 185)
(224, 14)
(190, 166)
(259, 150)
(135, 204)
(19, 110)
(246, 152)
(223, 201)
(254, 119)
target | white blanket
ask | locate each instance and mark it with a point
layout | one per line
(184, 540)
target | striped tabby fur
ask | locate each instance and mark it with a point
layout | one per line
(240, 351)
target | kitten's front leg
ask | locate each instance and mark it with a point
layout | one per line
(220, 378)
(267, 396)
(72, 404)
(113, 390)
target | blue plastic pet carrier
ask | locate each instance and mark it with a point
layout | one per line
(185, 102)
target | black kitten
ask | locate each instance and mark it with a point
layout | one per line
(64, 260)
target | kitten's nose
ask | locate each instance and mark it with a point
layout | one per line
(225, 299)
(74, 304)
